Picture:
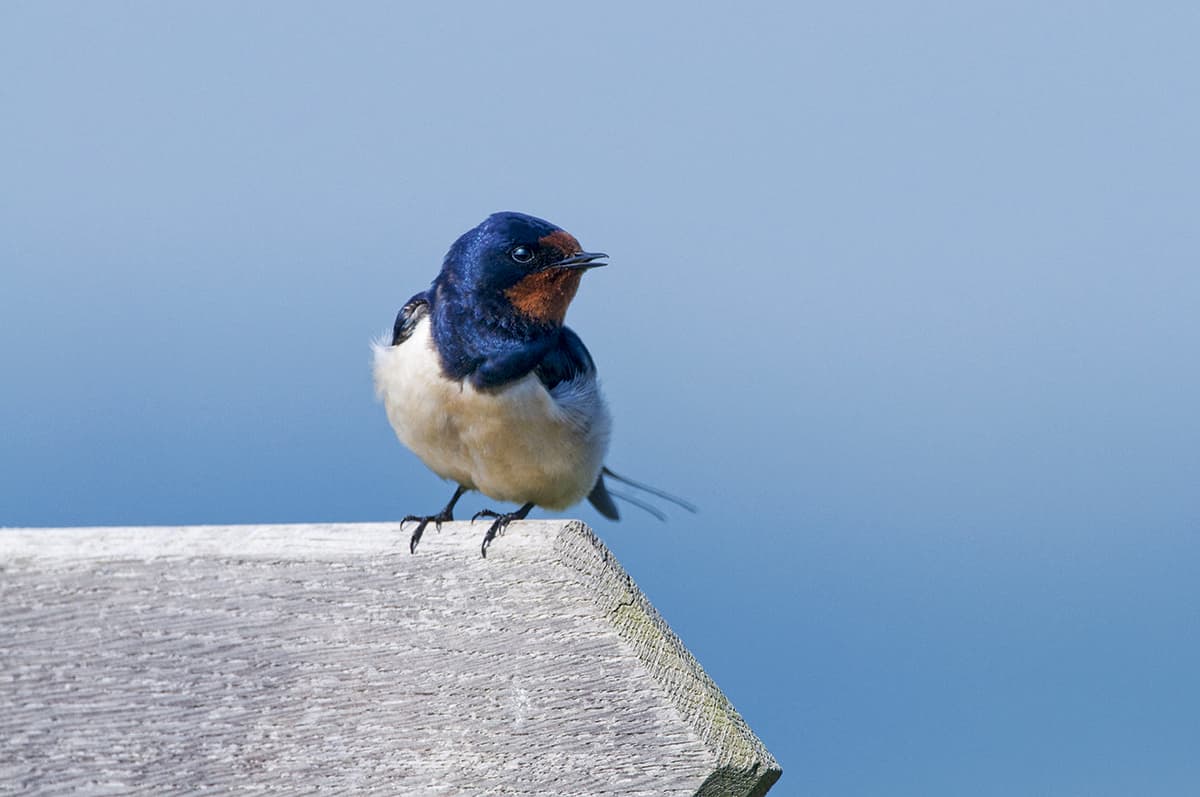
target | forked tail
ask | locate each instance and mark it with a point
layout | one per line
(601, 497)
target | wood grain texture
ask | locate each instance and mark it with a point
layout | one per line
(295, 659)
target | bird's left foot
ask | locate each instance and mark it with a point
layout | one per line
(422, 521)
(499, 523)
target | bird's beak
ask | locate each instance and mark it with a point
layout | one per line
(580, 260)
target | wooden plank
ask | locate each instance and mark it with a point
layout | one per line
(297, 658)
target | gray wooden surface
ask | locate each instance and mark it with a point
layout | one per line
(325, 658)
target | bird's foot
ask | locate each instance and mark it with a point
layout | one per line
(499, 524)
(445, 516)
(422, 521)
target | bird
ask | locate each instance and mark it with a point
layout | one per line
(484, 382)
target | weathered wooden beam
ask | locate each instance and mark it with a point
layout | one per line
(298, 658)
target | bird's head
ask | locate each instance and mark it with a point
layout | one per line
(525, 261)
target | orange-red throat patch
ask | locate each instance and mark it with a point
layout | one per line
(545, 295)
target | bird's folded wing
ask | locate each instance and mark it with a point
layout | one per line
(565, 362)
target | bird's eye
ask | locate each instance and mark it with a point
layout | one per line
(521, 254)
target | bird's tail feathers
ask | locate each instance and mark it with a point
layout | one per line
(602, 496)
(602, 499)
(649, 509)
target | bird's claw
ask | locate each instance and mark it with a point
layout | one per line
(497, 528)
(500, 524)
(417, 518)
(422, 522)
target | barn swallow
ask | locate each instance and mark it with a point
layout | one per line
(484, 382)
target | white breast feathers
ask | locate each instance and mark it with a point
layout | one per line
(519, 443)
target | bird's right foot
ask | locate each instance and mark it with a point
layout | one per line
(445, 516)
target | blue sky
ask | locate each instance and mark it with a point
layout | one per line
(905, 297)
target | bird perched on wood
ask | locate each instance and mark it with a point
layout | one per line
(486, 385)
